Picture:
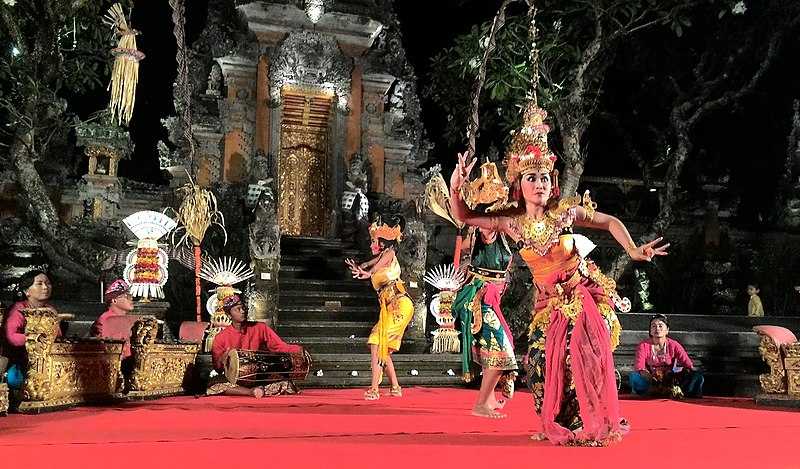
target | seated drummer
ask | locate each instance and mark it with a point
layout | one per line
(662, 367)
(119, 302)
(246, 335)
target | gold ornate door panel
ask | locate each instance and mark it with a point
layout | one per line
(303, 167)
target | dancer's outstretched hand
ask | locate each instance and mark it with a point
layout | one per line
(647, 251)
(462, 170)
(361, 274)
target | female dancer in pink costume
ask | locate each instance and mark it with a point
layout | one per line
(574, 328)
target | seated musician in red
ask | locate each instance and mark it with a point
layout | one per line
(119, 303)
(246, 335)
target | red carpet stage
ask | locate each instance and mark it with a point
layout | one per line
(428, 427)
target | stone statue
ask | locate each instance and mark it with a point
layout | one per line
(215, 81)
(358, 173)
(264, 232)
(355, 205)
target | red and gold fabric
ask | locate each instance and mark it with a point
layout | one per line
(573, 331)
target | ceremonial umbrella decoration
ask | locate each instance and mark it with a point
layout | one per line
(146, 266)
(125, 72)
(196, 214)
(224, 273)
(447, 279)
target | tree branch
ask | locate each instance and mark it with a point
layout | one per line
(735, 95)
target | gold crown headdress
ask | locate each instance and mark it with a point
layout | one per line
(488, 189)
(383, 231)
(528, 151)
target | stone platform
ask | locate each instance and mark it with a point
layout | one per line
(331, 315)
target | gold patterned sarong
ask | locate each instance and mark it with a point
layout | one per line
(395, 313)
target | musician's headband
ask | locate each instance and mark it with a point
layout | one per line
(230, 302)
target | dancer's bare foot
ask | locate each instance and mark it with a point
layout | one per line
(258, 392)
(487, 412)
(538, 436)
(494, 403)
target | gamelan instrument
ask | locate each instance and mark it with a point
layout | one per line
(251, 368)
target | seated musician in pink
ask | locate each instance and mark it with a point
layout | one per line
(662, 367)
(246, 335)
(119, 303)
(33, 290)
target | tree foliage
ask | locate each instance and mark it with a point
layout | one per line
(577, 40)
(51, 52)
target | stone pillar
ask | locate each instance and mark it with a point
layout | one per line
(209, 154)
(375, 86)
(396, 155)
(353, 143)
(413, 257)
(238, 115)
(266, 284)
(262, 105)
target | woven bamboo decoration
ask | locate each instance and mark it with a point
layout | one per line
(125, 73)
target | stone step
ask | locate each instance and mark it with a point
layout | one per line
(708, 323)
(354, 345)
(428, 370)
(364, 381)
(354, 285)
(314, 272)
(81, 328)
(324, 328)
(324, 294)
(719, 384)
(320, 257)
(80, 309)
(332, 299)
(337, 345)
(322, 313)
(732, 341)
(288, 241)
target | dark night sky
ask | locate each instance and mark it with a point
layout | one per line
(750, 139)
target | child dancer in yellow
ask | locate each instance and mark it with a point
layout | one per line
(396, 306)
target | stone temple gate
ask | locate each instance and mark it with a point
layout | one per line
(301, 89)
(308, 103)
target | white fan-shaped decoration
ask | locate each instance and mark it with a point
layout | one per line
(225, 271)
(445, 277)
(148, 224)
(583, 245)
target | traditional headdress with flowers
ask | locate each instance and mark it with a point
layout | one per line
(380, 230)
(230, 302)
(116, 288)
(528, 151)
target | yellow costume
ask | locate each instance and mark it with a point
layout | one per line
(754, 307)
(396, 310)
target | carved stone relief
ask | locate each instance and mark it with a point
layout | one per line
(307, 58)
